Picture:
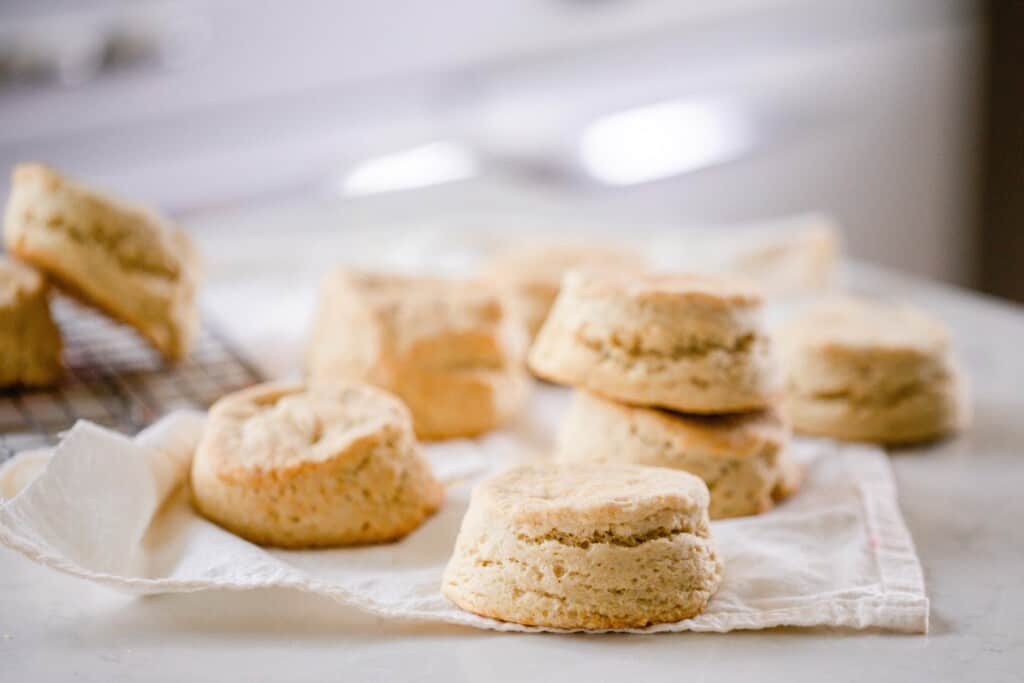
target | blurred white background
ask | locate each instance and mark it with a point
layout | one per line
(629, 111)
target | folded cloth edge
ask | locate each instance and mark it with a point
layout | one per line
(899, 568)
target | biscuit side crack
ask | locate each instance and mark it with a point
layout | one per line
(604, 537)
(888, 399)
(691, 587)
(606, 346)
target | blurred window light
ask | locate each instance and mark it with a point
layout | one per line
(438, 162)
(663, 140)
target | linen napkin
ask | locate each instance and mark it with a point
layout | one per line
(115, 511)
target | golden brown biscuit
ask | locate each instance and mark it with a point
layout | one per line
(283, 465)
(867, 371)
(742, 457)
(127, 261)
(30, 343)
(691, 343)
(580, 546)
(447, 348)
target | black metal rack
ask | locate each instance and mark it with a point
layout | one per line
(115, 379)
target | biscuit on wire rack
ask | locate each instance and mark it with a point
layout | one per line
(30, 343)
(125, 260)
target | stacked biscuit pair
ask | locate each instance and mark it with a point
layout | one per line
(672, 371)
(120, 258)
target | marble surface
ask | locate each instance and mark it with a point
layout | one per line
(961, 500)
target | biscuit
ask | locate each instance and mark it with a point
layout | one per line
(585, 547)
(867, 371)
(788, 256)
(742, 457)
(692, 343)
(121, 258)
(287, 466)
(534, 272)
(30, 343)
(792, 256)
(447, 348)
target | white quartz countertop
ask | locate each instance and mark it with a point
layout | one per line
(961, 499)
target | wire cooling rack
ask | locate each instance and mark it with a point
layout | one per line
(115, 379)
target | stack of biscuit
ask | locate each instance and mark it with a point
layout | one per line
(448, 348)
(120, 258)
(673, 371)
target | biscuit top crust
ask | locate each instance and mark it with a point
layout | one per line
(619, 504)
(283, 425)
(713, 291)
(442, 322)
(731, 436)
(854, 326)
(17, 281)
(547, 263)
(138, 238)
(462, 303)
